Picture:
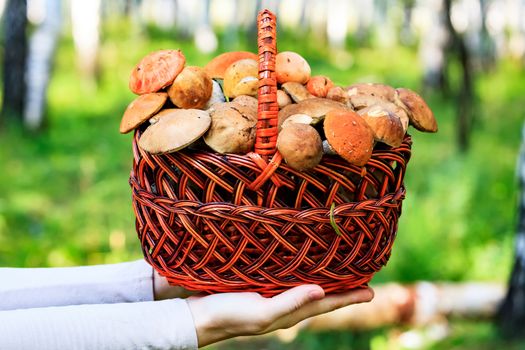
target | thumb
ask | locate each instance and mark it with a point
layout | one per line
(294, 299)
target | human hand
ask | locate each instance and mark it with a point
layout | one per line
(227, 315)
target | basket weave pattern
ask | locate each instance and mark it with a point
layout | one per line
(231, 223)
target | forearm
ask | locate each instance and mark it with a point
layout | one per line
(143, 325)
(40, 287)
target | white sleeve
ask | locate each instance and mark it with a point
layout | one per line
(22, 288)
(159, 325)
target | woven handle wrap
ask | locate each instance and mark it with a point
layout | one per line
(268, 109)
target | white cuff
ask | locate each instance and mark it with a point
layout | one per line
(22, 288)
(164, 324)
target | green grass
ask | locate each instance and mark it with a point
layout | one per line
(65, 200)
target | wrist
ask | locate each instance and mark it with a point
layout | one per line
(163, 290)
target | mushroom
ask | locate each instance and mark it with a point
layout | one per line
(298, 118)
(338, 94)
(314, 107)
(382, 91)
(156, 71)
(349, 135)
(386, 126)
(319, 85)
(283, 99)
(290, 66)
(176, 129)
(327, 149)
(218, 65)
(217, 96)
(360, 101)
(141, 109)
(301, 146)
(296, 91)
(248, 102)
(420, 115)
(240, 78)
(192, 88)
(232, 128)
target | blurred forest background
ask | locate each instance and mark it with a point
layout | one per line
(64, 193)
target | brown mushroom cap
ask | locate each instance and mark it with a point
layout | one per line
(156, 71)
(290, 66)
(141, 109)
(235, 73)
(248, 102)
(176, 129)
(319, 85)
(349, 135)
(382, 91)
(420, 115)
(314, 107)
(283, 99)
(386, 126)
(301, 146)
(360, 101)
(218, 65)
(232, 128)
(192, 88)
(338, 94)
(296, 91)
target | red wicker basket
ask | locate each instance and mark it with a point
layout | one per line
(231, 223)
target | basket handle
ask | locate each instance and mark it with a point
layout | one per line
(268, 109)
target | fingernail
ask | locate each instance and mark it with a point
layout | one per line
(315, 294)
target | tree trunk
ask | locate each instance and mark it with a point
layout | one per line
(42, 49)
(465, 95)
(14, 59)
(511, 315)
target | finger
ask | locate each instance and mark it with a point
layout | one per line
(327, 304)
(294, 299)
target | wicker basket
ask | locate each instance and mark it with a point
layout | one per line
(231, 223)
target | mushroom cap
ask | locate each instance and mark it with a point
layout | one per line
(192, 88)
(246, 86)
(290, 66)
(156, 71)
(298, 118)
(141, 109)
(218, 65)
(238, 71)
(297, 91)
(301, 146)
(314, 107)
(232, 128)
(349, 135)
(386, 126)
(397, 111)
(360, 101)
(338, 94)
(176, 129)
(319, 85)
(283, 99)
(249, 102)
(383, 91)
(420, 114)
(217, 96)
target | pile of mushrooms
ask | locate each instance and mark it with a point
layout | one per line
(217, 104)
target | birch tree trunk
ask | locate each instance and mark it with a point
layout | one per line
(85, 18)
(15, 52)
(42, 48)
(511, 316)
